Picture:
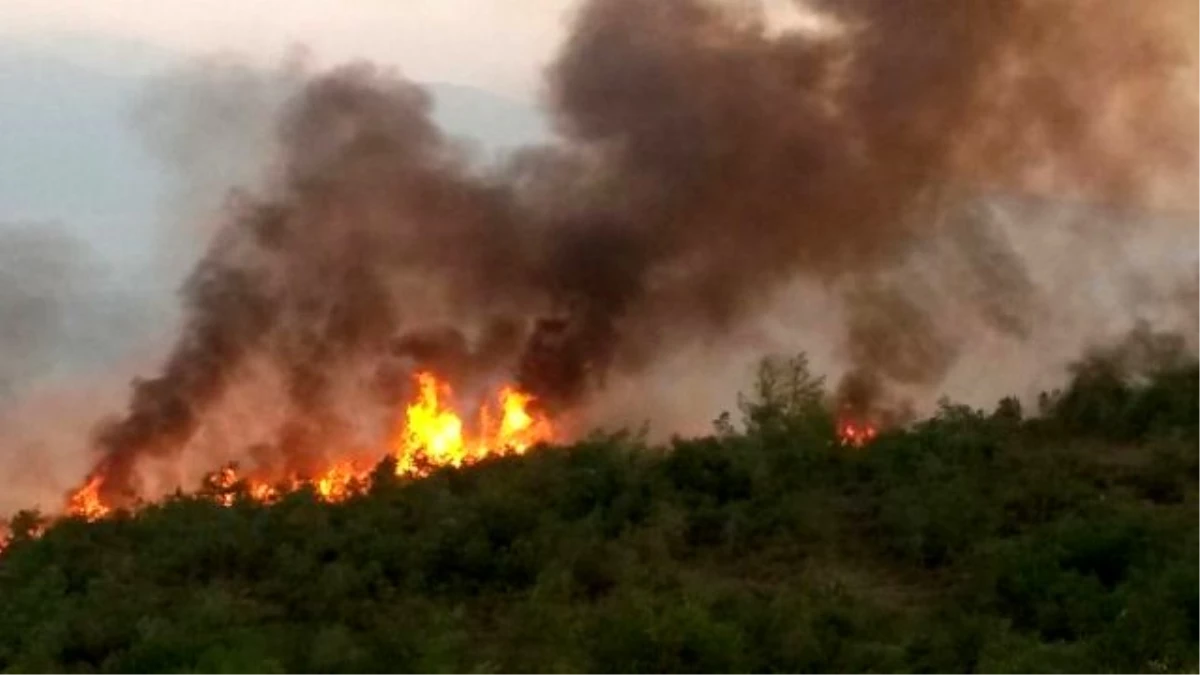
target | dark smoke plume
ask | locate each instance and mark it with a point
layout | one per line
(703, 161)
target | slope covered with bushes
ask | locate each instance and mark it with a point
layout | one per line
(1065, 540)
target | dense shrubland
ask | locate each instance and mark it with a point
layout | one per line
(1062, 540)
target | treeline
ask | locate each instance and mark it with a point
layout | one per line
(1061, 539)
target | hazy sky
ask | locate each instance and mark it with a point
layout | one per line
(499, 45)
(73, 71)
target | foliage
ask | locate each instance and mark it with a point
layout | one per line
(967, 542)
(786, 400)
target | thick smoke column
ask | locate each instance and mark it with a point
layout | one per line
(736, 161)
(370, 203)
(703, 161)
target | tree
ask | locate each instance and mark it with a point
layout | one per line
(786, 397)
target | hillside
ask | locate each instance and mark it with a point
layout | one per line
(1062, 540)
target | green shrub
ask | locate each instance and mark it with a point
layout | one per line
(997, 542)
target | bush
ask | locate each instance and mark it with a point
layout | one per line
(1062, 541)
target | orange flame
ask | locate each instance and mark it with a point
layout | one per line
(85, 502)
(519, 429)
(262, 492)
(337, 483)
(433, 435)
(433, 432)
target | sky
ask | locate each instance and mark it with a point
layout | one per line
(87, 295)
(499, 45)
(73, 73)
(77, 161)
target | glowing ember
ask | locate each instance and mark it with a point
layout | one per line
(855, 434)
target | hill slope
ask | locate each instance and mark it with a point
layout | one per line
(969, 541)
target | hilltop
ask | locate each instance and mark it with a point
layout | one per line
(1062, 539)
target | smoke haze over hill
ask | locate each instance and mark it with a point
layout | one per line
(912, 187)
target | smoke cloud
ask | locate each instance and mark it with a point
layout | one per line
(39, 268)
(66, 328)
(704, 162)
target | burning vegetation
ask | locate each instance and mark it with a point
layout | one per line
(978, 541)
(431, 435)
(383, 305)
(704, 160)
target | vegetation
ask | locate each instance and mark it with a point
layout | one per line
(970, 541)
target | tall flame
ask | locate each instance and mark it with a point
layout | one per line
(432, 431)
(434, 434)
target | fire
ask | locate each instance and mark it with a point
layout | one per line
(431, 435)
(262, 492)
(855, 434)
(434, 435)
(337, 483)
(86, 503)
(432, 432)
(518, 428)
(222, 483)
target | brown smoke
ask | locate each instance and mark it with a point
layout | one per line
(65, 326)
(703, 161)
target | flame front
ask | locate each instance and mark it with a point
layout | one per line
(432, 435)
(432, 432)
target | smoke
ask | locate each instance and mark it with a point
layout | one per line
(63, 311)
(76, 325)
(727, 161)
(39, 268)
(705, 161)
(66, 328)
